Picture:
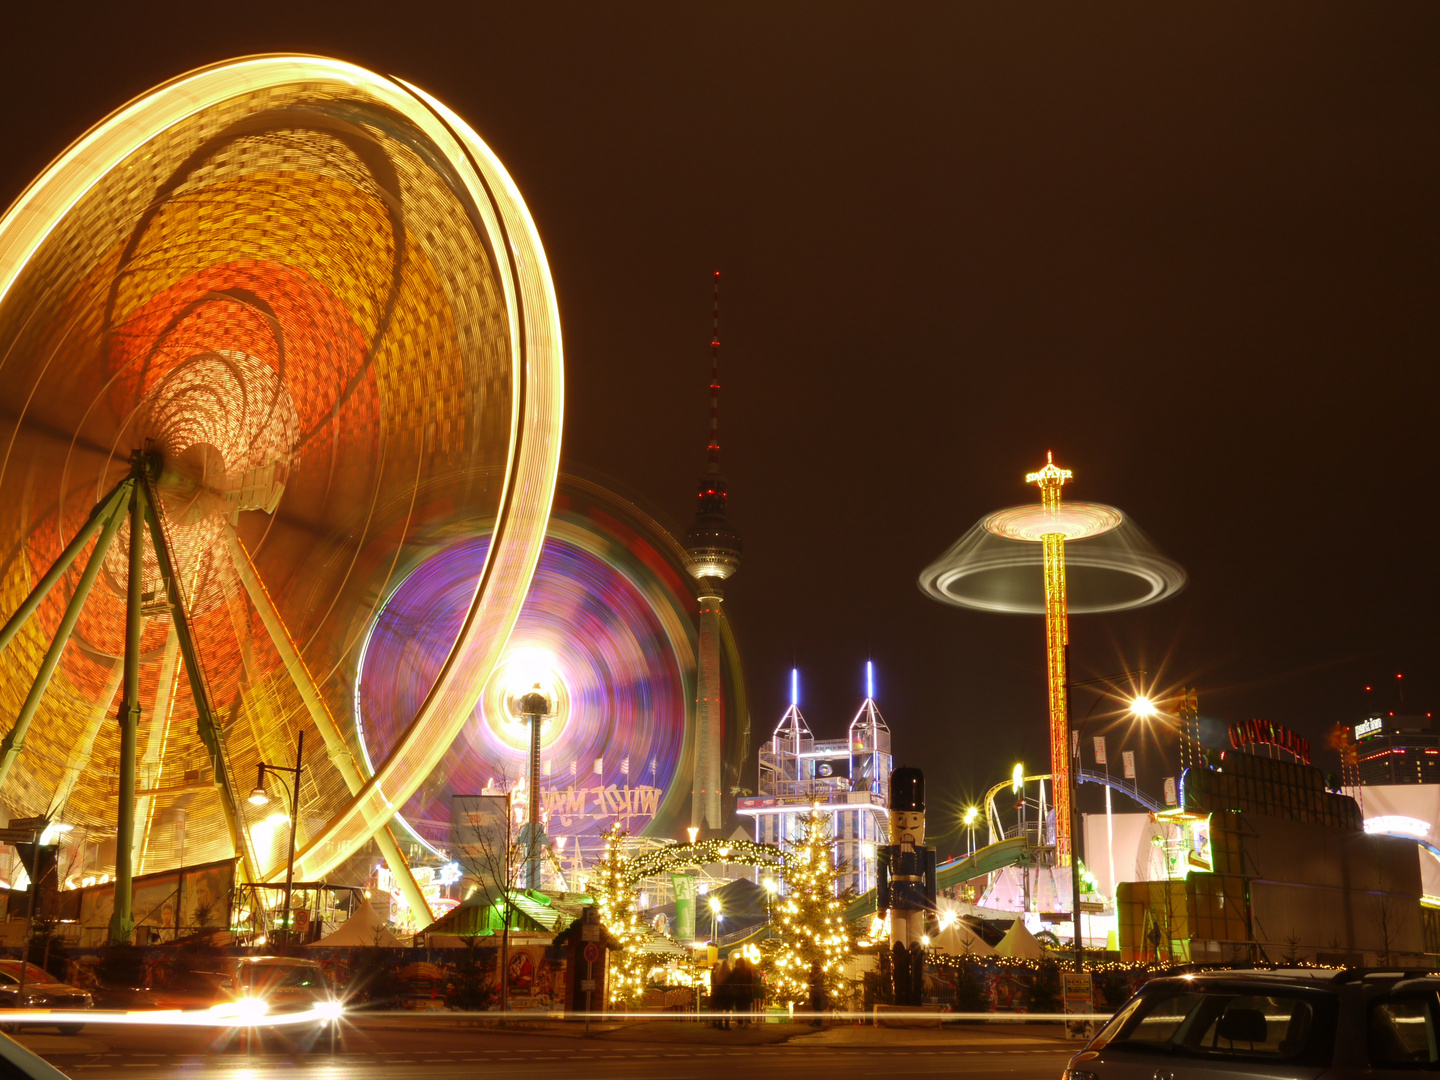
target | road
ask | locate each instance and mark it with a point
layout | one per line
(440, 1050)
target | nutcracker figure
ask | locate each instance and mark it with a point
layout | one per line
(906, 888)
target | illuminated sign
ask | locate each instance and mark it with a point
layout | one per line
(1396, 823)
(1373, 726)
(1269, 733)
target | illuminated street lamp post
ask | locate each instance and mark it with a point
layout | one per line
(258, 797)
(715, 912)
(969, 822)
(1017, 788)
(1140, 706)
(533, 708)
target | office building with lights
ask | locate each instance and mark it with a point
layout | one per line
(1392, 749)
(848, 778)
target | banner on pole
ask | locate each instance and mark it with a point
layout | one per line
(1128, 758)
(1171, 796)
(684, 886)
(1100, 758)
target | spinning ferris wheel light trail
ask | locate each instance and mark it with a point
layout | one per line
(258, 329)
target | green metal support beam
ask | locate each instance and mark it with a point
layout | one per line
(93, 524)
(208, 728)
(122, 920)
(14, 742)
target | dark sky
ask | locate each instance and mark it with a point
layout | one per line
(1193, 249)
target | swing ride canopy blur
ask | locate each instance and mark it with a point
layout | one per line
(998, 565)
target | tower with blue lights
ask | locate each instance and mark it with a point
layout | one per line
(714, 550)
(848, 778)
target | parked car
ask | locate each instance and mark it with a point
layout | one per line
(24, 1064)
(1297, 1023)
(42, 991)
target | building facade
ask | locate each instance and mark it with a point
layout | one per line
(1392, 749)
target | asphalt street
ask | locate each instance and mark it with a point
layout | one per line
(655, 1051)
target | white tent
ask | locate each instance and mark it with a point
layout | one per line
(1019, 942)
(362, 928)
(958, 939)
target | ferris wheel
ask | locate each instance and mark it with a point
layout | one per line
(258, 329)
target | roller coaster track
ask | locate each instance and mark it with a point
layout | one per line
(1003, 853)
(1125, 787)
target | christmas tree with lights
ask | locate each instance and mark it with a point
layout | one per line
(809, 917)
(620, 915)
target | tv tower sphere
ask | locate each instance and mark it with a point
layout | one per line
(713, 546)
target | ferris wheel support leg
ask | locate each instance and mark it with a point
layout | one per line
(104, 509)
(335, 745)
(208, 728)
(14, 742)
(122, 919)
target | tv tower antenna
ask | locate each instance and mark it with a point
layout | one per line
(714, 551)
(713, 451)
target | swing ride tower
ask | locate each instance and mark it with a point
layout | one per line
(1057, 642)
(1089, 557)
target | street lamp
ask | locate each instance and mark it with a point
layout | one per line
(259, 797)
(971, 812)
(1135, 707)
(532, 708)
(1017, 788)
(714, 917)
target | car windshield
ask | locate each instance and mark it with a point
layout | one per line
(1226, 1023)
(284, 977)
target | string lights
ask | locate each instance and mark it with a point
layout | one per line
(615, 895)
(809, 918)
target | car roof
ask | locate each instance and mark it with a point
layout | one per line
(279, 961)
(14, 965)
(1300, 978)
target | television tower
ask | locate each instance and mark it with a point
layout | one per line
(714, 551)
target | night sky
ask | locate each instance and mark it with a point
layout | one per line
(1193, 250)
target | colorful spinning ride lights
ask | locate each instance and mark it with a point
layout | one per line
(596, 640)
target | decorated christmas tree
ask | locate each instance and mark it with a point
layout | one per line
(809, 916)
(614, 890)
